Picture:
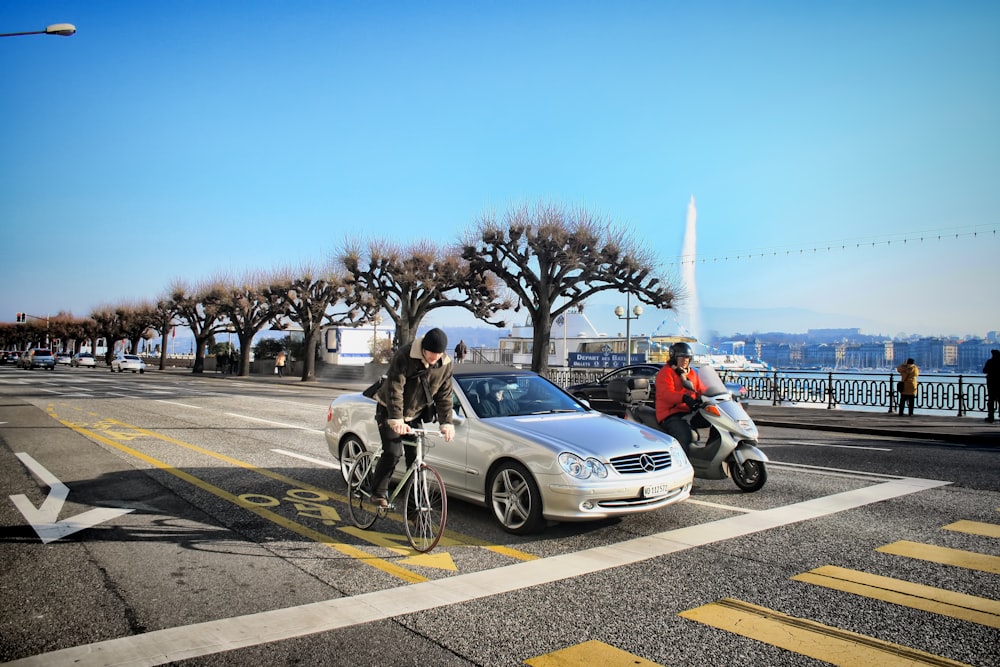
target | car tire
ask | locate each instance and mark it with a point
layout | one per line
(513, 496)
(351, 448)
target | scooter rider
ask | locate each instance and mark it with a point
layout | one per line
(674, 401)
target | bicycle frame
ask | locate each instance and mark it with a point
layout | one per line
(424, 511)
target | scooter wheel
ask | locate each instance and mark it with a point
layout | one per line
(750, 476)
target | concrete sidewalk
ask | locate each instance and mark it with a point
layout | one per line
(970, 430)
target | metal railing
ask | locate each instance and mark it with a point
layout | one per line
(945, 392)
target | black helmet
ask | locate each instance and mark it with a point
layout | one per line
(680, 350)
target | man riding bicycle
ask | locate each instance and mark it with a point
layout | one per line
(417, 389)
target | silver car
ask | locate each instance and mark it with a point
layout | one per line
(530, 452)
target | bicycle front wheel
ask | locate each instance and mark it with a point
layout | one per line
(426, 509)
(360, 484)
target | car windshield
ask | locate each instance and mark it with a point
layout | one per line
(42, 353)
(515, 395)
(131, 357)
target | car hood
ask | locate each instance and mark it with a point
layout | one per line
(585, 433)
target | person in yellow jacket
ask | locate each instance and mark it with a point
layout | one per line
(908, 373)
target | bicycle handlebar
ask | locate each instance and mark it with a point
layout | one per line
(424, 431)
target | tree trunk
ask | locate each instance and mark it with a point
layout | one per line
(540, 336)
(309, 352)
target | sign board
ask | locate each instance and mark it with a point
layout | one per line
(606, 359)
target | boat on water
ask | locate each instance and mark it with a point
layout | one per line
(576, 343)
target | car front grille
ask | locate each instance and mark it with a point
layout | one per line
(642, 463)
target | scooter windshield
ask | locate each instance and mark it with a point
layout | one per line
(713, 383)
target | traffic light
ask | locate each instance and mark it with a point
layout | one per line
(20, 317)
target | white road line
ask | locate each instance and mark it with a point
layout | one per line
(838, 472)
(328, 464)
(268, 421)
(718, 505)
(824, 444)
(183, 405)
(191, 641)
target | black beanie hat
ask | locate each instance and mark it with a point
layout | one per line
(435, 340)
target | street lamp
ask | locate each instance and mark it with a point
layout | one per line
(61, 29)
(377, 320)
(622, 314)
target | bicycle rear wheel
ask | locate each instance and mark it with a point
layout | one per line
(360, 482)
(426, 509)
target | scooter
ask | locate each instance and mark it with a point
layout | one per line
(731, 449)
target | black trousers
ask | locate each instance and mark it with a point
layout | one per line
(676, 426)
(392, 450)
(904, 400)
(992, 400)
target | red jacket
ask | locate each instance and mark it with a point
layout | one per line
(670, 391)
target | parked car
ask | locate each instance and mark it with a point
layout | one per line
(596, 391)
(38, 357)
(84, 359)
(64, 359)
(128, 362)
(547, 457)
(10, 357)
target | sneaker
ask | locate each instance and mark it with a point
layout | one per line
(988, 420)
(380, 501)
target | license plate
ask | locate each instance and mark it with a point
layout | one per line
(656, 490)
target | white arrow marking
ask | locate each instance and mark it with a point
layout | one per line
(43, 519)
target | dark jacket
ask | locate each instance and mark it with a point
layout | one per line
(403, 393)
(992, 370)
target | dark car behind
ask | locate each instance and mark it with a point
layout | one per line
(596, 391)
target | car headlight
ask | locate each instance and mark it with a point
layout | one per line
(580, 468)
(677, 452)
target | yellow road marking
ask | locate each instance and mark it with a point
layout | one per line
(833, 645)
(439, 560)
(907, 594)
(306, 506)
(589, 653)
(944, 555)
(975, 528)
(309, 533)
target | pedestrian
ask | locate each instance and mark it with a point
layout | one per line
(460, 351)
(992, 370)
(678, 389)
(908, 373)
(279, 364)
(417, 389)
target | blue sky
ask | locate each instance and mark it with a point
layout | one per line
(185, 140)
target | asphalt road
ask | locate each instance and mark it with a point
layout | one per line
(203, 523)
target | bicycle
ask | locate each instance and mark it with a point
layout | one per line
(425, 510)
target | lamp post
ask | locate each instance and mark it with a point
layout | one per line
(377, 320)
(623, 314)
(61, 29)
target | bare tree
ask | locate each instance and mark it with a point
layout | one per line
(408, 282)
(107, 325)
(244, 303)
(135, 318)
(163, 317)
(306, 295)
(198, 309)
(553, 260)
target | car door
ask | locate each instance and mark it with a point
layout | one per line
(449, 458)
